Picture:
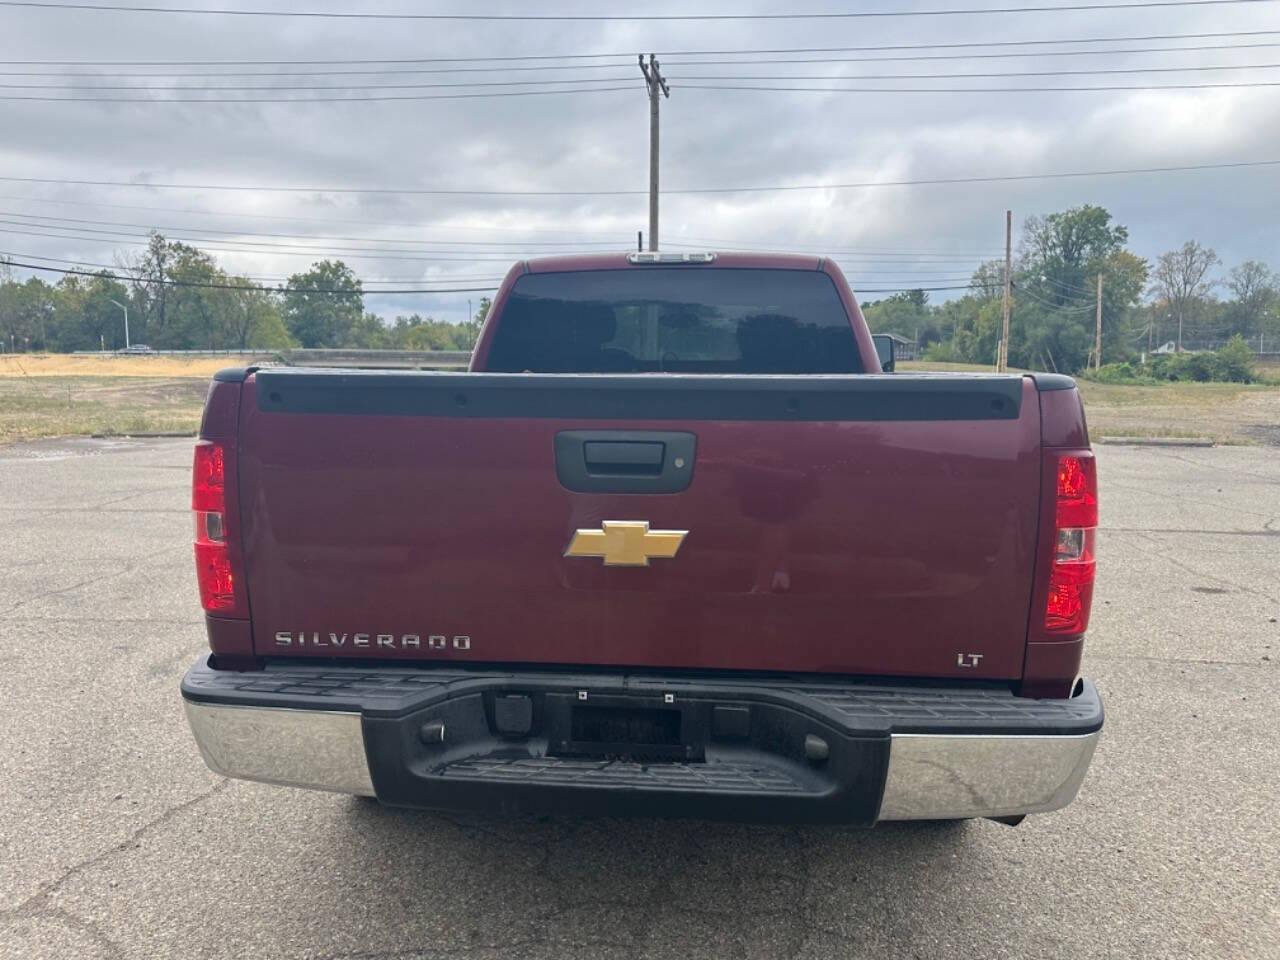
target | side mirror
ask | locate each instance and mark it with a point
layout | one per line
(884, 350)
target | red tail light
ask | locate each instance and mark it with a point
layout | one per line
(214, 572)
(208, 481)
(1072, 573)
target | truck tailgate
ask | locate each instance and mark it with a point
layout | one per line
(856, 525)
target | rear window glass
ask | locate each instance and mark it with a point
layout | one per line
(675, 320)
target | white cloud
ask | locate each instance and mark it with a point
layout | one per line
(599, 141)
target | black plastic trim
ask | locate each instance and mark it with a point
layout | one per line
(1046, 382)
(234, 374)
(765, 778)
(858, 707)
(856, 397)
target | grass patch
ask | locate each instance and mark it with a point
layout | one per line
(1166, 393)
(48, 405)
(1228, 413)
(110, 365)
(36, 407)
(1160, 433)
(944, 366)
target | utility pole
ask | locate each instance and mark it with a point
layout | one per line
(1097, 337)
(657, 84)
(1003, 361)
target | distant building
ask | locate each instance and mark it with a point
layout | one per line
(903, 348)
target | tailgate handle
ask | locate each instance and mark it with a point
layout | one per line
(623, 457)
(625, 461)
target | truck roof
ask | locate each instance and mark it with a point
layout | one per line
(616, 261)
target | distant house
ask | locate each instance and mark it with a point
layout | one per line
(903, 348)
(1169, 347)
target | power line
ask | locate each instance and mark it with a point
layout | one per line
(245, 287)
(961, 56)
(117, 268)
(963, 76)
(862, 290)
(248, 246)
(388, 98)
(876, 258)
(1059, 89)
(542, 67)
(1063, 285)
(519, 245)
(689, 191)
(361, 99)
(739, 55)
(237, 286)
(614, 18)
(629, 54)
(1066, 308)
(686, 242)
(344, 86)
(745, 77)
(267, 216)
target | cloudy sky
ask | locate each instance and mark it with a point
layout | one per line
(595, 137)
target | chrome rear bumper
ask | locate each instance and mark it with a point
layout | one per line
(873, 773)
(941, 777)
(320, 750)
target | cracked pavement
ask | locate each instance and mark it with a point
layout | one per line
(116, 841)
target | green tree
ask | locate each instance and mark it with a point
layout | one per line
(27, 314)
(323, 305)
(370, 333)
(1060, 256)
(253, 317)
(1256, 292)
(469, 332)
(1181, 278)
(976, 328)
(198, 313)
(902, 313)
(87, 312)
(149, 274)
(987, 282)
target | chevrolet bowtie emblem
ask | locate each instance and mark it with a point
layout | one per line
(625, 543)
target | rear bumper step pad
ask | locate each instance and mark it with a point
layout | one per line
(757, 749)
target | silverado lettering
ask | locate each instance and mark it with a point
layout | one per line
(879, 613)
(405, 641)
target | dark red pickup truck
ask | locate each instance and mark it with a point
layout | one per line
(674, 545)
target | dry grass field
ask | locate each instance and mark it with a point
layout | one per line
(53, 396)
(111, 365)
(61, 395)
(1223, 412)
(62, 406)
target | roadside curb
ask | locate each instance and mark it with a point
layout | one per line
(1158, 441)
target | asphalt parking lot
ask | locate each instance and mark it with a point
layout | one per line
(116, 841)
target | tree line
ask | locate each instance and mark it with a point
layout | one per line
(177, 297)
(1145, 306)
